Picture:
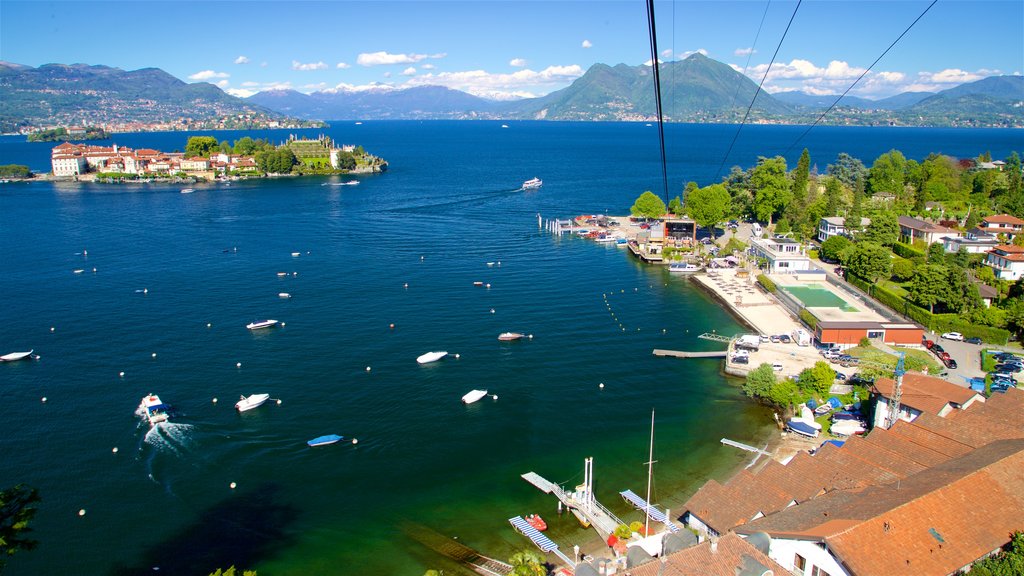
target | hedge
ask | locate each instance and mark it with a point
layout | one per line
(766, 282)
(906, 251)
(808, 319)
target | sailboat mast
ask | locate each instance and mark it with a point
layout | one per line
(650, 471)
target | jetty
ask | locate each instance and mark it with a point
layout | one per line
(457, 551)
(581, 501)
(681, 354)
(652, 512)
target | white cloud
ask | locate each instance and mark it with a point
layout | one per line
(250, 84)
(315, 87)
(208, 75)
(586, 44)
(891, 77)
(949, 76)
(384, 58)
(519, 84)
(410, 71)
(427, 66)
(666, 53)
(296, 65)
(222, 84)
(517, 62)
(251, 88)
(241, 60)
(371, 87)
(387, 74)
(744, 51)
(688, 53)
(342, 65)
(648, 63)
(240, 92)
(263, 64)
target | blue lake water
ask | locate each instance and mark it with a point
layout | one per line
(401, 248)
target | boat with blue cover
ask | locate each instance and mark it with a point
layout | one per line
(154, 410)
(324, 440)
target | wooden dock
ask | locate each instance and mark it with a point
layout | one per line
(457, 551)
(599, 517)
(681, 354)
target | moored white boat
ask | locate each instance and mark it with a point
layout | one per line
(15, 356)
(431, 357)
(283, 295)
(154, 410)
(473, 396)
(259, 324)
(533, 183)
(509, 336)
(251, 401)
(187, 190)
(683, 268)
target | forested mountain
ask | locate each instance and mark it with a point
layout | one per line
(423, 102)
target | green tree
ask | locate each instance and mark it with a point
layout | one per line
(852, 221)
(1009, 562)
(847, 169)
(818, 379)
(528, 563)
(928, 286)
(675, 206)
(799, 195)
(887, 174)
(346, 161)
(17, 508)
(902, 270)
(831, 248)
(884, 229)
(759, 381)
(1014, 199)
(833, 196)
(15, 171)
(771, 189)
(231, 572)
(869, 261)
(936, 253)
(648, 205)
(200, 146)
(245, 146)
(961, 294)
(708, 206)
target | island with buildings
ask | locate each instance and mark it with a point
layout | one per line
(205, 159)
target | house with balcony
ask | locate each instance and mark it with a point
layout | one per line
(974, 241)
(1009, 226)
(912, 229)
(783, 255)
(836, 226)
(1007, 261)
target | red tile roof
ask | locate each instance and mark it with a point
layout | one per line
(927, 393)
(727, 559)
(1003, 219)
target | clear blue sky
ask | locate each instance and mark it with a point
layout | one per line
(517, 48)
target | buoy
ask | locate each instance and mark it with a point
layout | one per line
(492, 310)
(85, 252)
(232, 485)
(406, 285)
(278, 402)
(208, 324)
(214, 400)
(530, 336)
(601, 385)
(392, 326)
(421, 258)
(499, 262)
(52, 328)
(93, 270)
(81, 512)
(282, 324)
(44, 399)
(488, 285)
(153, 355)
(238, 364)
(663, 330)
(457, 356)
(354, 441)
(145, 290)
(367, 368)
(121, 374)
(114, 450)
(495, 396)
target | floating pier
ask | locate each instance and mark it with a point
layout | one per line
(652, 512)
(681, 354)
(581, 501)
(540, 540)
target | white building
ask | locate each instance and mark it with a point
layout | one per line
(836, 226)
(916, 229)
(920, 394)
(974, 241)
(784, 255)
(1007, 261)
(1004, 224)
(68, 164)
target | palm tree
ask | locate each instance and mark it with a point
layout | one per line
(527, 563)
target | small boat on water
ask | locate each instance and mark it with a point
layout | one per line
(187, 190)
(283, 295)
(473, 396)
(537, 522)
(683, 268)
(431, 357)
(509, 336)
(478, 283)
(296, 254)
(251, 401)
(324, 440)
(533, 183)
(15, 356)
(259, 324)
(154, 409)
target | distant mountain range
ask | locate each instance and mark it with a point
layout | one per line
(697, 89)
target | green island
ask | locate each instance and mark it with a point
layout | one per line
(66, 134)
(15, 172)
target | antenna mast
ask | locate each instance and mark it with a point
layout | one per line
(650, 471)
(897, 393)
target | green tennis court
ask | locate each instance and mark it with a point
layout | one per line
(817, 297)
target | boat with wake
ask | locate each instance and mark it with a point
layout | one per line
(154, 410)
(251, 401)
(532, 184)
(431, 357)
(260, 324)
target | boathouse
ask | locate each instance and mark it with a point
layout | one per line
(848, 334)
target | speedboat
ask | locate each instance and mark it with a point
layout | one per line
(250, 402)
(473, 396)
(324, 440)
(431, 357)
(537, 522)
(283, 295)
(154, 409)
(509, 336)
(802, 427)
(15, 356)
(533, 183)
(261, 324)
(683, 268)
(187, 190)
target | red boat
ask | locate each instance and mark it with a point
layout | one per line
(537, 522)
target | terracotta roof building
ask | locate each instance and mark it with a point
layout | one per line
(1006, 261)
(916, 229)
(921, 393)
(728, 556)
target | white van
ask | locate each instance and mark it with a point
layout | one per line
(755, 230)
(801, 337)
(749, 341)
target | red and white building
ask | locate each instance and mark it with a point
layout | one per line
(1007, 261)
(1009, 226)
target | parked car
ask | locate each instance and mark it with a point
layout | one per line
(953, 336)
(944, 356)
(938, 349)
(858, 380)
(950, 363)
(928, 344)
(973, 340)
(741, 359)
(765, 338)
(774, 338)
(785, 339)
(840, 376)
(777, 367)
(1009, 368)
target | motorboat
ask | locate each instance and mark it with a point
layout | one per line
(478, 283)
(251, 401)
(283, 295)
(15, 356)
(473, 396)
(537, 522)
(848, 427)
(533, 183)
(259, 324)
(324, 440)
(187, 190)
(801, 427)
(154, 409)
(509, 336)
(683, 268)
(431, 357)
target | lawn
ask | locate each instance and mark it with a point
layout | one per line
(913, 360)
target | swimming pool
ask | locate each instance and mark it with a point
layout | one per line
(818, 297)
